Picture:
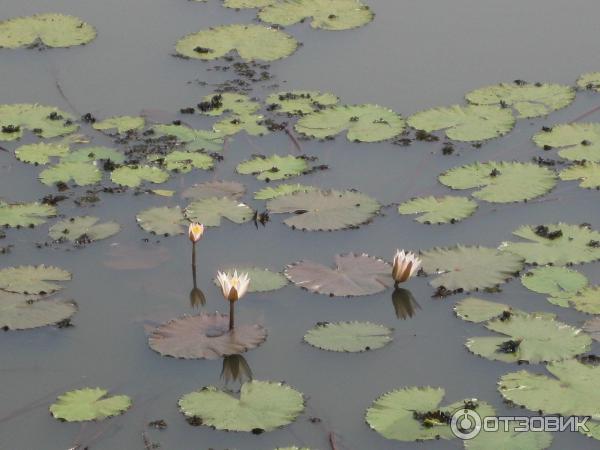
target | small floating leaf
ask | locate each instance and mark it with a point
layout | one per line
(81, 173)
(352, 275)
(24, 214)
(588, 173)
(348, 336)
(301, 102)
(32, 279)
(89, 154)
(44, 121)
(274, 167)
(241, 4)
(365, 123)
(217, 188)
(227, 102)
(51, 30)
(163, 220)
(194, 140)
(23, 312)
(477, 310)
(84, 228)
(447, 209)
(577, 141)
(465, 123)
(88, 404)
(209, 211)
(587, 300)
(261, 280)
(269, 192)
(554, 281)
(250, 123)
(122, 124)
(184, 162)
(590, 80)
(40, 153)
(262, 406)
(133, 176)
(252, 42)
(204, 336)
(501, 182)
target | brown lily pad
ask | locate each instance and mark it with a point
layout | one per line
(215, 188)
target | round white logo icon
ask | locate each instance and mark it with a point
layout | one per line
(465, 424)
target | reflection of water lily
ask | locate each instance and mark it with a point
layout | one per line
(405, 266)
(235, 368)
(195, 231)
(233, 286)
(197, 298)
(404, 303)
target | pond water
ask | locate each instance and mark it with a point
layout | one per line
(415, 55)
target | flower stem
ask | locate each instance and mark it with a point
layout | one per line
(194, 258)
(231, 315)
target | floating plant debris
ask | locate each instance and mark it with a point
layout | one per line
(447, 209)
(89, 154)
(209, 211)
(183, 161)
(348, 336)
(88, 404)
(300, 102)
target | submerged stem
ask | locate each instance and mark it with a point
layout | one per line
(231, 314)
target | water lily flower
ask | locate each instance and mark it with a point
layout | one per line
(233, 286)
(195, 231)
(405, 266)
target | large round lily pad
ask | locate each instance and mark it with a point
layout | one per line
(352, 275)
(261, 406)
(273, 167)
(88, 404)
(576, 141)
(192, 139)
(50, 30)
(25, 214)
(215, 188)
(261, 280)
(133, 176)
(529, 100)
(465, 123)
(469, 268)
(252, 42)
(44, 121)
(210, 211)
(204, 336)
(554, 281)
(165, 220)
(83, 229)
(587, 173)
(41, 152)
(365, 123)
(348, 336)
(478, 310)
(23, 312)
(81, 173)
(121, 124)
(325, 14)
(447, 209)
(325, 210)
(32, 279)
(301, 102)
(501, 182)
(280, 190)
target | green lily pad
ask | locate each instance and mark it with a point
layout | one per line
(465, 123)
(348, 336)
(24, 214)
(227, 102)
(273, 167)
(590, 80)
(88, 404)
(193, 139)
(209, 211)
(23, 312)
(447, 209)
(252, 42)
(593, 430)
(509, 439)
(477, 310)
(592, 327)
(133, 176)
(269, 192)
(365, 123)
(529, 100)
(242, 4)
(40, 153)
(574, 389)
(262, 406)
(325, 210)
(215, 188)
(577, 141)
(588, 173)
(183, 161)
(261, 280)
(122, 124)
(81, 173)
(165, 220)
(250, 123)
(83, 229)
(501, 182)
(534, 338)
(554, 281)
(89, 154)
(557, 244)
(32, 279)
(469, 268)
(325, 14)
(587, 300)
(44, 121)
(50, 30)
(352, 275)
(301, 102)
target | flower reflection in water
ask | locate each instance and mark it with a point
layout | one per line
(235, 368)
(404, 303)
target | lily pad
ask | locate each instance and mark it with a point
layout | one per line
(50, 30)
(477, 310)
(23, 312)
(269, 192)
(534, 338)
(121, 124)
(165, 220)
(588, 173)
(590, 80)
(205, 336)
(592, 327)
(554, 281)
(557, 244)
(242, 4)
(325, 14)
(81, 173)
(25, 214)
(501, 182)
(261, 280)
(32, 279)
(574, 389)
(509, 439)
(193, 139)
(529, 100)
(348, 336)
(301, 102)
(250, 123)
(88, 404)
(469, 268)
(365, 123)
(89, 154)
(183, 161)
(587, 300)
(209, 211)
(252, 42)
(133, 176)
(227, 102)
(325, 210)
(216, 188)
(44, 121)
(447, 209)
(261, 406)
(352, 275)
(83, 229)
(274, 167)
(465, 123)
(577, 141)
(40, 153)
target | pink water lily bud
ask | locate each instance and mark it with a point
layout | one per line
(406, 264)
(233, 286)
(195, 231)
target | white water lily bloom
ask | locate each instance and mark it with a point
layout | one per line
(406, 264)
(195, 231)
(233, 286)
